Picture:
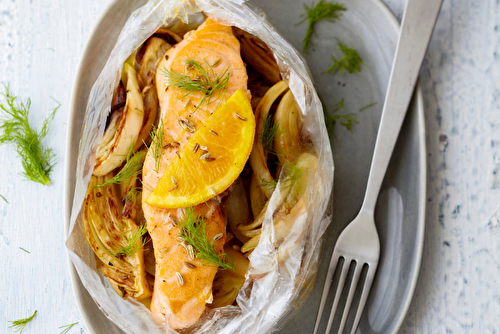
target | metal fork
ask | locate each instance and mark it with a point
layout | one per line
(358, 244)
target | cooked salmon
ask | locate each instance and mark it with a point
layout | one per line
(183, 285)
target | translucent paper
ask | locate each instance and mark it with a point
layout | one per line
(278, 278)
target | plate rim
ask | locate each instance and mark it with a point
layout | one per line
(70, 156)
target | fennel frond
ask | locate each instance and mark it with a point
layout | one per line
(193, 230)
(203, 79)
(132, 246)
(368, 106)
(321, 11)
(133, 167)
(37, 160)
(66, 328)
(351, 61)
(20, 324)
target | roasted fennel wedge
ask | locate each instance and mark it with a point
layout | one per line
(116, 239)
(123, 129)
(227, 283)
(150, 53)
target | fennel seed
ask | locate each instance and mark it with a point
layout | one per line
(187, 121)
(195, 148)
(214, 133)
(180, 278)
(163, 250)
(216, 62)
(218, 236)
(175, 144)
(187, 103)
(173, 221)
(203, 148)
(240, 117)
(186, 126)
(180, 239)
(209, 159)
(236, 248)
(166, 146)
(205, 156)
(212, 191)
(175, 186)
(190, 265)
(190, 250)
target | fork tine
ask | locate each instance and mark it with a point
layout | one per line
(338, 292)
(328, 282)
(370, 274)
(350, 296)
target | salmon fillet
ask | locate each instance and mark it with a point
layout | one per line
(182, 305)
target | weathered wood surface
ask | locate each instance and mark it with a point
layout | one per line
(41, 43)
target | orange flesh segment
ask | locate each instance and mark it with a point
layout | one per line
(190, 180)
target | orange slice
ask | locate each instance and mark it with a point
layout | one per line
(196, 175)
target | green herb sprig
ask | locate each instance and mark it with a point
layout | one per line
(269, 131)
(202, 78)
(157, 145)
(66, 328)
(37, 160)
(368, 106)
(132, 194)
(4, 199)
(24, 250)
(133, 167)
(292, 173)
(328, 11)
(347, 120)
(193, 231)
(132, 246)
(20, 324)
(351, 62)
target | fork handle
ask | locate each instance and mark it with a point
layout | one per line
(416, 29)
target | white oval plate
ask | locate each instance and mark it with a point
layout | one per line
(370, 28)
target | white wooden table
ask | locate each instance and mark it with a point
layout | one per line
(459, 289)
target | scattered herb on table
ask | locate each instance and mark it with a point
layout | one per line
(24, 250)
(20, 324)
(351, 62)
(368, 106)
(66, 328)
(346, 120)
(193, 231)
(200, 78)
(328, 11)
(4, 199)
(337, 106)
(37, 160)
